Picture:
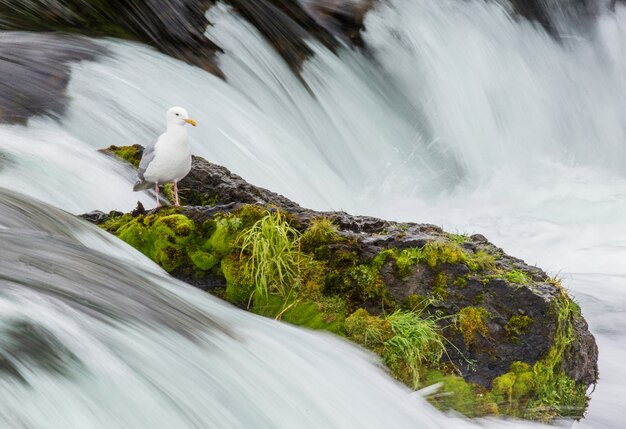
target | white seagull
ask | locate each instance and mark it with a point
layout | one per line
(168, 158)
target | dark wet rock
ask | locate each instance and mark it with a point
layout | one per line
(27, 344)
(343, 18)
(581, 359)
(210, 184)
(286, 26)
(535, 10)
(558, 16)
(176, 27)
(34, 72)
(97, 216)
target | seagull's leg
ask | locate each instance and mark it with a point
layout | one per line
(176, 203)
(156, 189)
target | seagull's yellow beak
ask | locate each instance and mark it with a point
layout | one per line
(191, 121)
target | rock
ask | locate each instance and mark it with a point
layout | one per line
(35, 71)
(176, 27)
(209, 184)
(343, 18)
(510, 331)
(286, 26)
(613, 3)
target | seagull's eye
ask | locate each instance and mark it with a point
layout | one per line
(178, 114)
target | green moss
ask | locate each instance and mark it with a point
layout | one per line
(239, 286)
(407, 259)
(321, 231)
(575, 308)
(440, 287)
(379, 260)
(249, 214)
(320, 290)
(436, 253)
(458, 238)
(471, 323)
(479, 298)
(369, 331)
(512, 390)
(516, 326)
(457, 394)
(204, 260)
(327, 314)
(344, 259)
(357, 281)
(174, 241)
(566, 399)
(460, 282)
(130, 154)
(481, 261)
(168, 192)
(556, 393)
(164, 239)
(417, 303)
(226, 230)
(115, 222)
(311, 277)
(516, 276)
(543, 391)
(366, 281)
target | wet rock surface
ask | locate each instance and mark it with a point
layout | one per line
(176, 27)
(35, 71)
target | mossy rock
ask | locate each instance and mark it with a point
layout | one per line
(512, 341)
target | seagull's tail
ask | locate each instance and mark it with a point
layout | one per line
(141, 185)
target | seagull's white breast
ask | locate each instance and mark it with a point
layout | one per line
(172, 157)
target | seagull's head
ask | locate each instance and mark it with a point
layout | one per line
(178, 116)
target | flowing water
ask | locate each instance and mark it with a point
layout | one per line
(459, 116)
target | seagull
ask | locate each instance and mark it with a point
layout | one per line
(168, 158)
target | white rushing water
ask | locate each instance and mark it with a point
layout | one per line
(462, 117)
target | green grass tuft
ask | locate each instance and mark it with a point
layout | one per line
(271, 251)
(416, 341)
(406, 341)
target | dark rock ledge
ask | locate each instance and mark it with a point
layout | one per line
(505, 338)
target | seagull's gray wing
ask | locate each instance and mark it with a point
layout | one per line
(146, 159)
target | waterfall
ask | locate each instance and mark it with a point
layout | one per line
(457, 115)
